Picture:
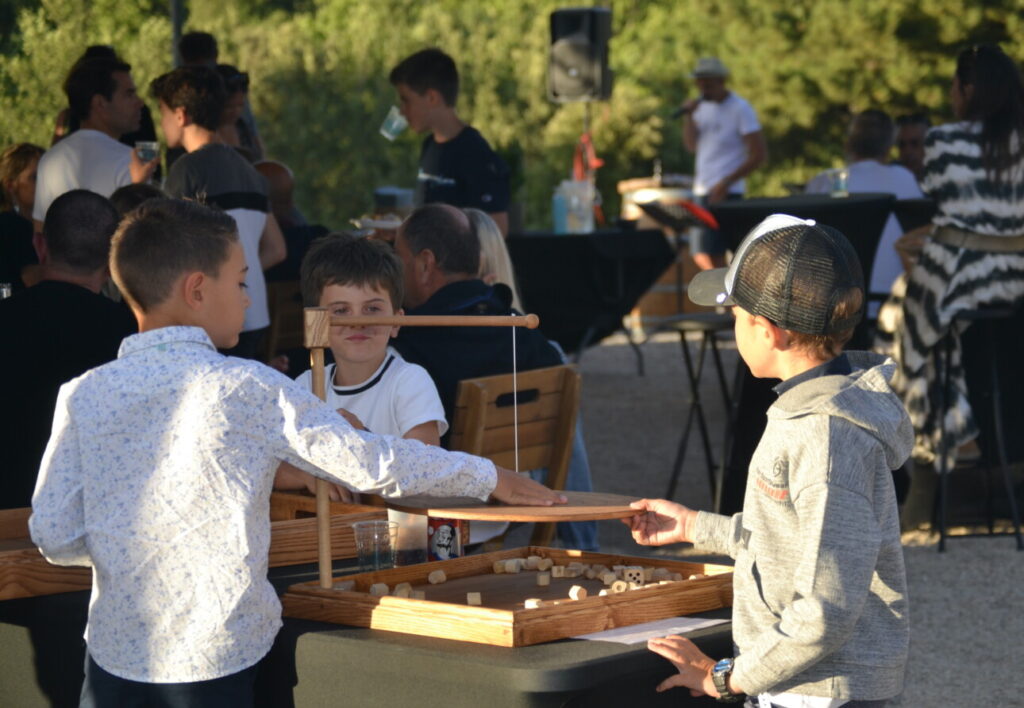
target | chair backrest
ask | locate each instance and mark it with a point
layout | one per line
(484, 420)
(284, 300)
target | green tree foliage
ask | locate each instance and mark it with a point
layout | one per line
(319, 77)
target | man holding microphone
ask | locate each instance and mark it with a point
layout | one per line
(723, 130)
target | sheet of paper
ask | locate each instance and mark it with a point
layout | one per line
(640, 633)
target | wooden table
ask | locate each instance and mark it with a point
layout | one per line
(316, 664)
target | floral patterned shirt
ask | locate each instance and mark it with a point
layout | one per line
(158, 475)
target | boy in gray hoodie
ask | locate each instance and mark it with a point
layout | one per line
(820, 614)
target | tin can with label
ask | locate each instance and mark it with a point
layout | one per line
(445, 538)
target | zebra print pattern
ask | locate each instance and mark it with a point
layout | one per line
(946, 280)
(966, 197)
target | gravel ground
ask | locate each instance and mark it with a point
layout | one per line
(966, 604)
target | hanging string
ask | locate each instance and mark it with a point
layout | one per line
(515, 400)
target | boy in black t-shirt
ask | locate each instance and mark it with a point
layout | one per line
(457, 166)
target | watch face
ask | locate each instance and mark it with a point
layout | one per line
(723, 666)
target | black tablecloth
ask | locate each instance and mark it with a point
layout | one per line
(318, 664)
(582, 285)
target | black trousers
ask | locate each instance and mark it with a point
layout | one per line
(104, 690)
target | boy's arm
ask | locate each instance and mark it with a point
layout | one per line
(837, 542)
(272, 248)
(316, 439)
(57, 524)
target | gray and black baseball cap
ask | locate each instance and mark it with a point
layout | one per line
(792, 271)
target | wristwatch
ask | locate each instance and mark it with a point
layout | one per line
(720, 675)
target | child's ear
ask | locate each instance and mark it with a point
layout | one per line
(773, 337)
(180, 117)
(394, 330)
(193, 286)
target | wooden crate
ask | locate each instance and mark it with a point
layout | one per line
(25, 573)
(502, 620)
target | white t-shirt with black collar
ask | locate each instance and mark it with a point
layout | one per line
(394, 400)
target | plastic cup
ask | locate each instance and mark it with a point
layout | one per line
(376, 542)
(148, 150)
(394, 124)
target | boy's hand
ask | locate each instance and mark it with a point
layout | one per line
(141, 171)
(516, 490)
(352, 419)
(661, 522)
(694, 665)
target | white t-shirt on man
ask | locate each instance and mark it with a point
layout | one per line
(86, 159)
(873, 176)
(394, 400)
(720, 147)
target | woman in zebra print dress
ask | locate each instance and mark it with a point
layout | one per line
(974, 170)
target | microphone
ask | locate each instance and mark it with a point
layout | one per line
(684, 109)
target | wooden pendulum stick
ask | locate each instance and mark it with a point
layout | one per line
(317, 323)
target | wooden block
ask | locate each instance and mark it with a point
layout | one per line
(608, 577)
(617, 569)
(436, 577)
(344, 585)
(697, 576)
(532, 562)
(512, 565)
(571, 572)
(590, 573)
(532, 603)
(558, 571)
(473, 598)
(660, 574)
(499, 566)
(543, 578)
(379, 589)
(635, 586)
(620, 586)
(402, 590)
(545, 564)
(604, 592)
(677, 577)
(648, 574)
(419, 595)
(633, 574)
(578, 592)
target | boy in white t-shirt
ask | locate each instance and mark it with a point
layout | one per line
(370, 383)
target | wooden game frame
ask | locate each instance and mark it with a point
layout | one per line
(507, 625)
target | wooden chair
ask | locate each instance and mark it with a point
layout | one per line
(484, 419)
(284, 300)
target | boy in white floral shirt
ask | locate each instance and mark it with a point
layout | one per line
(159, 470)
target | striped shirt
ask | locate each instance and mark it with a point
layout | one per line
(158, 476)
(955, 178)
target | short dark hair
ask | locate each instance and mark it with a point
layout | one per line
(871, 134)
(828, 346)
(198, 48)
(234, 79)
(197, 89)
(130, 196)
(448, 233)
(913, 119)
(346, 259)
(89, 77)
(428, 69)
(164, 239)
(78, 228)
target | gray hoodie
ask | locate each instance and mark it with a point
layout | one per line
(820, 592)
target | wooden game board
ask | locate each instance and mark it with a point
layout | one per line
(501, 619)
